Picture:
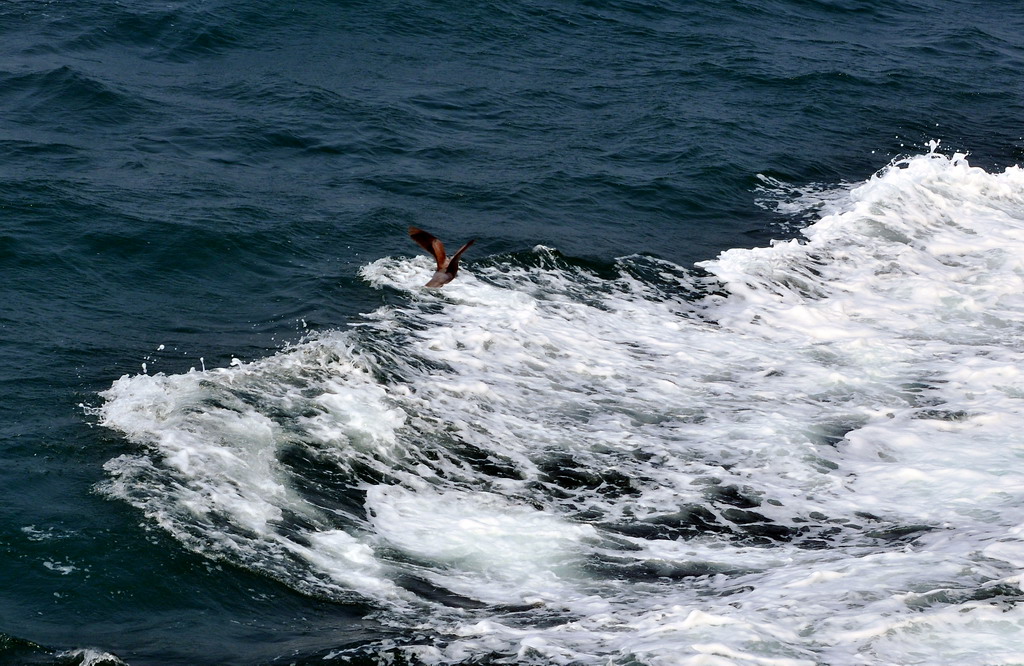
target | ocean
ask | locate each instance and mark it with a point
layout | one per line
(733, 373)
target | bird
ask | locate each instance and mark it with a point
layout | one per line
(447, 266)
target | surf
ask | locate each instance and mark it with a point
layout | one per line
(800, 453)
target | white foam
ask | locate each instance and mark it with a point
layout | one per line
(63, 568)
(212, 470)
(90, 657)
(818, 461)
(524, 552)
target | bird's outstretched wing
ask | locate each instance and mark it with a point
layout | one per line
(431, 244)
(453, 263)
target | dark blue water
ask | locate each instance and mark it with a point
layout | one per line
(183, 183)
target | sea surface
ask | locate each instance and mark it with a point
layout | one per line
(733, 374)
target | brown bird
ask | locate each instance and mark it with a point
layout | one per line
(447, 267)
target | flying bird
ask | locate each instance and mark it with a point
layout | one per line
(447, 266)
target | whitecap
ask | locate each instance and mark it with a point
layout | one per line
(809, 455)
